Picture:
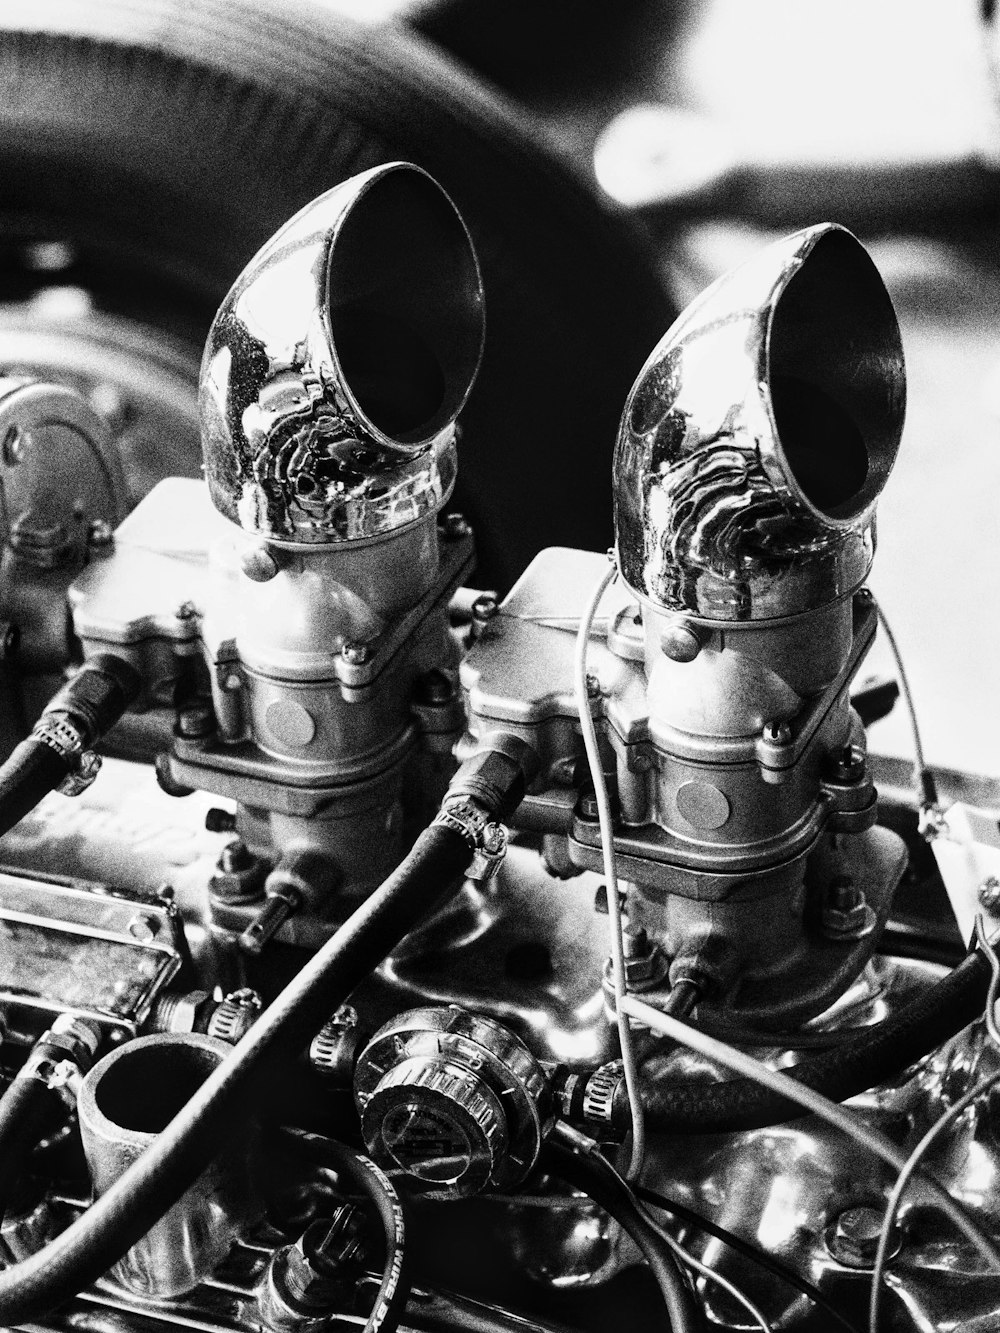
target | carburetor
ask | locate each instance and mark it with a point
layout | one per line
(303, 638)
(752, 450)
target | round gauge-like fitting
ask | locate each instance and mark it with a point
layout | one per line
(454, 1100)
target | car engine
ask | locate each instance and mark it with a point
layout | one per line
(379, 953)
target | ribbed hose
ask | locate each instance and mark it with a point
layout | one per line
(31, 771)
(380, 1192)
(103, 1234)
(875, 1055)
(29, 1112)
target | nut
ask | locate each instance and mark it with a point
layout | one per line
(853, 1238)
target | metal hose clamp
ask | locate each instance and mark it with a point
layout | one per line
(487, 838)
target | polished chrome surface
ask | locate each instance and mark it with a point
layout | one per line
(337, 365)
(125, 1100)
(759, 434)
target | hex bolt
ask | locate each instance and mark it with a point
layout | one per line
(846, 915)
(588, 806)
(356, 654)
(853, 1238)
(220, 821)
(195, 722)
(989, 893)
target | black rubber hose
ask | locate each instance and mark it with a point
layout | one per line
(88, 705)
(378, 1189)
(876, 1054)
(610, 1192)
(30, 771)
(79, 1255)
(29, 1112)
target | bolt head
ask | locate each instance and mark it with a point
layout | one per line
(258, 563)
(485, 607)
(195, 722)
(989, 893)
(356, 654)
(593, 686)
(853, 1238)
(777, 733)
(848, 764)
(143, 928)
(680, 642)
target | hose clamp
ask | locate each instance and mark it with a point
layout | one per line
(599, 1093)
(487, 838)
(57, 732)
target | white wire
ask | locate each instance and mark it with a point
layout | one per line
(919, 765)
(708, 1273)
(903, 1179)
(869, 1138)
(607, 847)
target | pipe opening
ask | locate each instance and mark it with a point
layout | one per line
(144, 1089)
(836, 378)
(405, 307)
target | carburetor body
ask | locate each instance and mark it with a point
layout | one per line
(297, 643)
(304, 643)
(751, 453)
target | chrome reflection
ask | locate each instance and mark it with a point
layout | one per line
(759, 435)
(336, 366)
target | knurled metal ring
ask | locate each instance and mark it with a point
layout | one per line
(57, 732)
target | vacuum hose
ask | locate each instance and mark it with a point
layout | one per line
(874, 1055)
(59, 747)
(173, 1162)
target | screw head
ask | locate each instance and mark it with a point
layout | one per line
(485, 607)
(258, 563)
(593, 686)
(989, 893)
(356, 654)
(680, 643)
